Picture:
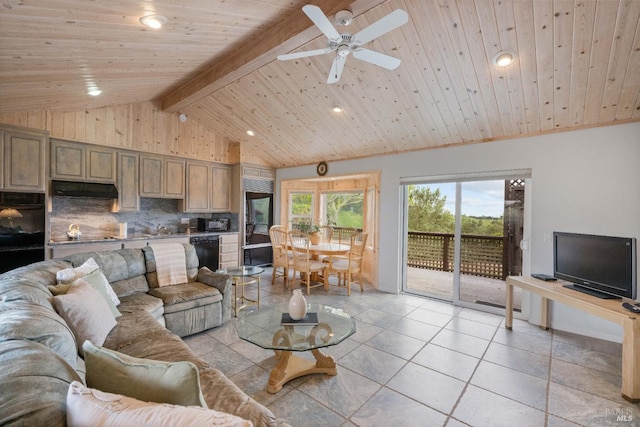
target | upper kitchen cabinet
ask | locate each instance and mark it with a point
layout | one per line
(220, 188)
(198, 195)
(23, 159)
(128, 194)
(208, 187)
(82, 162)
(162, 177)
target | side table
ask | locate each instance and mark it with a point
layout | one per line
(242, 276)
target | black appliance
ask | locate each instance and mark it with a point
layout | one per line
(21, 236)
(601, 266)
(209, 224)
(83, 189)
(257, 248)
(208, 251)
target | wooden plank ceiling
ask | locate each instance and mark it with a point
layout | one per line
(578, 65)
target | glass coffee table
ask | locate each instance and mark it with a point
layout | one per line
(242, 276)
(262, 327)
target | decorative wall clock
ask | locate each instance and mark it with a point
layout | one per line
(322, 168)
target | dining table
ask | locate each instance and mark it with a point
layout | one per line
(327, 249)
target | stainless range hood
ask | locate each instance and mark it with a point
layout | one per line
(83, 189)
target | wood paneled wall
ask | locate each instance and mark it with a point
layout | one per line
(141, 126)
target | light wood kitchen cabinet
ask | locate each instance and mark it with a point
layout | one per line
(82, 162)
(23, 160)
(128, 196)
(198, 187)
(221, 188)
(229, 250)
(162, 177)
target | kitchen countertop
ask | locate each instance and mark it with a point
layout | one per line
(137, 236)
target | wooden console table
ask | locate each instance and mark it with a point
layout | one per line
(607, 309)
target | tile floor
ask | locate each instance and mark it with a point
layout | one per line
(420, 362)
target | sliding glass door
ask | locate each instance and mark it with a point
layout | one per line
(463, 239)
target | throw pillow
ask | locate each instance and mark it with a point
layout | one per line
(87, 406)
(177, 383)
(69, 275)
(86, 312)
(100, 283)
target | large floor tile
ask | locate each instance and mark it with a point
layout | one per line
(480, 407)
(462, 343)
(373, 363)
(298, 409)
(531, 343)
(480, 316)
(377, 318)
(588, 410)
(430, 317)
(448, 362)
(472, 327)
(519, 360)
(436, 390)
(512, 384)
(388, 408)
(397, 344)
(588, 380)
(415, 329)
(606, 362)
(343, 393)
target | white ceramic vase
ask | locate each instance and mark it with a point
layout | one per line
(297, 305)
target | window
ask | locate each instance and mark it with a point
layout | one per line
(342, 209)
(301, 208)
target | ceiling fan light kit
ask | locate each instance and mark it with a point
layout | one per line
(344, 44)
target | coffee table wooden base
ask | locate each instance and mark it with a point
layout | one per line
(291, 366)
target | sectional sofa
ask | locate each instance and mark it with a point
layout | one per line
(40, 352)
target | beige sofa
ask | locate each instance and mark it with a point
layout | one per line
(39, 352)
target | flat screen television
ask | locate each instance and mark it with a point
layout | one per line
(602, 266)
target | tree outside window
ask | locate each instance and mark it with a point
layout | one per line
(343, 209)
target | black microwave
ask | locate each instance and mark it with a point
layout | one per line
(208, 224)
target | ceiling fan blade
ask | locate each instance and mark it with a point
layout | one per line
(304, 54)
(376, 58)
(382, 26)
(336, 69)
(322, 22)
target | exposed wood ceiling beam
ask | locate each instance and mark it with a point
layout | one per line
(289, 33)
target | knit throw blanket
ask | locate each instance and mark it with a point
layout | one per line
(171, 263)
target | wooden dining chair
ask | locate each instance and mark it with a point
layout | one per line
(348, 270)
(303, 261)
(282, 257)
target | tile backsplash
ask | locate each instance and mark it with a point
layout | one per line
(96, 221)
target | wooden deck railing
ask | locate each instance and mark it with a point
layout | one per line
(482, 256)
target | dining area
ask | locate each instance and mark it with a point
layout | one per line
(321, 258)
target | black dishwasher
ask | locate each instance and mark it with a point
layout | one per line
(208, 250)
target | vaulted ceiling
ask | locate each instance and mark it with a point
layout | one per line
(578, 65)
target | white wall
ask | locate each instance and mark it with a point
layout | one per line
(582, 181)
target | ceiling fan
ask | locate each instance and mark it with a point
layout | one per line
(344, 44)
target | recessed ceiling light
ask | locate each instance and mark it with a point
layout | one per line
(504, 58)
(251, 133)
(337, 108)
(153, 21)
(183, 117)
(94, 91)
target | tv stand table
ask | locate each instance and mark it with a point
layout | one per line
(607, 309)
